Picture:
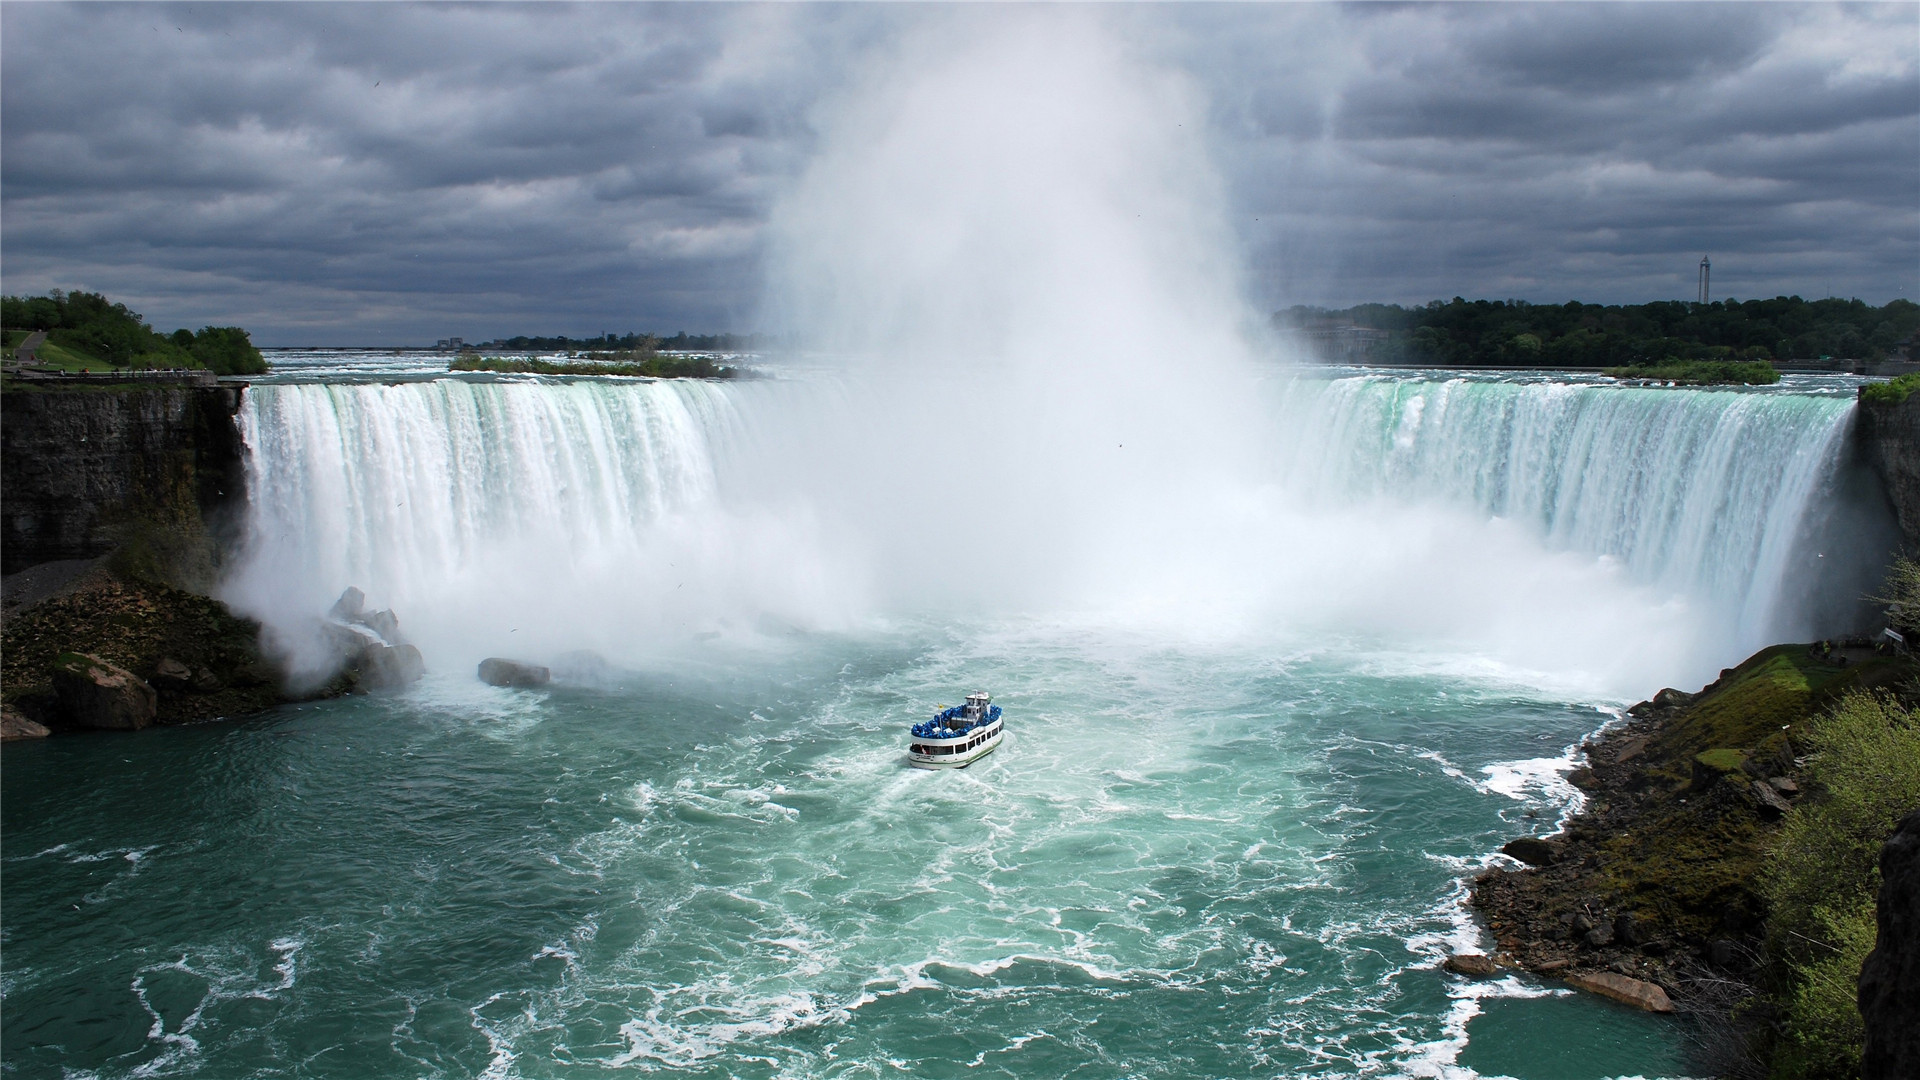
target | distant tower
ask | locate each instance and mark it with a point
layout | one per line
(1706, 271)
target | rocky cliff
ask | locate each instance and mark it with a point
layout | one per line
(1889, 438)
(158, 472)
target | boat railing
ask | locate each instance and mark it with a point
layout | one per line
(938, 727)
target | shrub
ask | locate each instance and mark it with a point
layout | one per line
(226, 349)
(1822, 877)
(1891, 392)
(1822, 1031)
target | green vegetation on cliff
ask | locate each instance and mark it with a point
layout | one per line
(1891, 392)
(1822, 875)
(1728, 849)
(86, 331)
(1515, 333)
(1693, 856)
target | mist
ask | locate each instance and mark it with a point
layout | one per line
(1030, 387)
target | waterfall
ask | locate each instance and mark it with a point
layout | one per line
(482, 508)
(501, 514)
(1720, 494)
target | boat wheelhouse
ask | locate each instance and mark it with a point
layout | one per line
(957, 737)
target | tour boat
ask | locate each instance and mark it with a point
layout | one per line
(957, 737)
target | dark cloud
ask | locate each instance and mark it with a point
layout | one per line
(1562, 151)
(354, 172)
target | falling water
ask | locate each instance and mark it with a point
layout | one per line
(1284, 654)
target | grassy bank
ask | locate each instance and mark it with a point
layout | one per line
(88, 332)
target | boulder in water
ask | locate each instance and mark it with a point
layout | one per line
(1532, 850)
(349, 606)
(98, 694)
(1641, 995)
(1472, 965)
(498, 671)
(390, 667)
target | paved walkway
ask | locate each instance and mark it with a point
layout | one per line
(24, 354)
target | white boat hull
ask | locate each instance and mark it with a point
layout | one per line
(955, 753)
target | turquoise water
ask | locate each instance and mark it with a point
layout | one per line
(1188, 861)
(1266, 714)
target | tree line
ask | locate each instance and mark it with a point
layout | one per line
(100, 329)
(1516, 333)
(631, 342)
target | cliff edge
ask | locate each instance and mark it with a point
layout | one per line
(88, 470)
(1889, 439)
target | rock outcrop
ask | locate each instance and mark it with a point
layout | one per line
(86, 471)
(1635, 992)
(202, 660)
(1531, 850)
(364, 649)
(1655, 881)
(1889, 439)
(1472, 965)
(498, 671)
(94, 693)
(1890, 979)
(391, 667)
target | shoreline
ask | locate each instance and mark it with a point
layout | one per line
(1647, 893)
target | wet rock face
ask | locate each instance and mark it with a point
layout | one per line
(1890, 441)
(1890, 979)
(367, 650)
(96, 694)
(77, 466)
(390, 667)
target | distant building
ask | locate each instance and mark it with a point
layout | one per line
(451, 344)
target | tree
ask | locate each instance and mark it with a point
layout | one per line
(227, 350)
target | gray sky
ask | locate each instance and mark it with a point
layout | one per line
(383, 173)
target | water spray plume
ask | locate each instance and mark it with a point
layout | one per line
(1039, 402)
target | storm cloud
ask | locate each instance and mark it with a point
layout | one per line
(389, 173)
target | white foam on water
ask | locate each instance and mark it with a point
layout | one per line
(1005, 430)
